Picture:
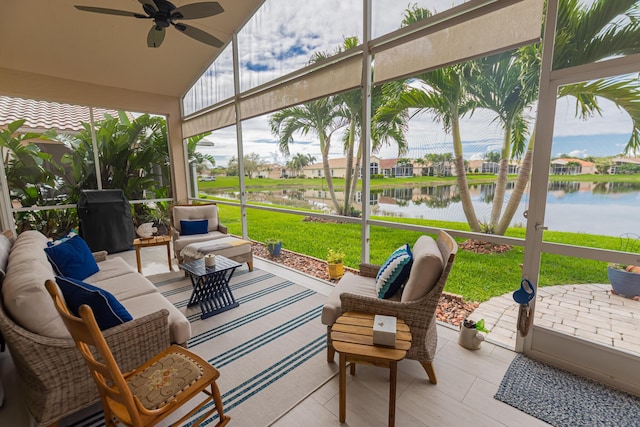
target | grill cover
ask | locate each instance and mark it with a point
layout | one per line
(105, 220)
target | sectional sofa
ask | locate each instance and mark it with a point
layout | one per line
(55, 380)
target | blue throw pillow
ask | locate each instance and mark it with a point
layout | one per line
(394, 272)
(72, 258)
(106, 308)
(188, 228)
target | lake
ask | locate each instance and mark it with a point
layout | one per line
(610, 209)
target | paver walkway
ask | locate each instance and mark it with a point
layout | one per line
(590, 312)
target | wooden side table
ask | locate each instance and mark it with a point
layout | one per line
(352, 337)
(152, 241)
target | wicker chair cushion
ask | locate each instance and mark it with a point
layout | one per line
(164, 380)
(425, 271)
(394, 272)
(351, 283)
(195, 212)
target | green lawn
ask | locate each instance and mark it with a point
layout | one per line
(477, 277)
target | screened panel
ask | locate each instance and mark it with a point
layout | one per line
(216, 119)
(515, 25)
(334, 78)
(387, 15)
(589, 31)
(215, 85)
(282, 36)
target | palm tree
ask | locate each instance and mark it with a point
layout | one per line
(320, 117)
(344, 111)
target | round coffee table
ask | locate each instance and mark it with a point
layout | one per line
(352, 337)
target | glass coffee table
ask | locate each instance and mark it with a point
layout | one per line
(211, 285)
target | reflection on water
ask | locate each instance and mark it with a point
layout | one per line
(608, 208)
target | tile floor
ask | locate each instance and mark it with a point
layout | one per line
(467, 381)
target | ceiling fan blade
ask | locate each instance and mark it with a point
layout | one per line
(109, 11)
(148, 6)
(155, 36)
(199, 35)
(197, 10)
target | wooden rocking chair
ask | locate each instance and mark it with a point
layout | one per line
(150, 393)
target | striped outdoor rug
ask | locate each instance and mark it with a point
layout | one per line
(270, 351)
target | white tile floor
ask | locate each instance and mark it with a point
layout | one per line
(467, 381)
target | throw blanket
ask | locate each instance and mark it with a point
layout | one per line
(200, 249)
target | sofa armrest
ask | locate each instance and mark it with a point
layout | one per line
(222, 228)
(369, 270)
(100, 256)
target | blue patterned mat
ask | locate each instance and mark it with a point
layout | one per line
(561, 398)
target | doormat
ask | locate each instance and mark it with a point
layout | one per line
(562, 398)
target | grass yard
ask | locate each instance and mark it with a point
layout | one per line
(475, 276)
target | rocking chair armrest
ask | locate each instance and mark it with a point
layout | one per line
(369, 270)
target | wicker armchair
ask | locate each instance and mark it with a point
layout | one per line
(207, 211)
(55, 378)
(419, 314)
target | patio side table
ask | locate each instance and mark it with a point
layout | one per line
(152, 241)
(211, 285)
(352, 337)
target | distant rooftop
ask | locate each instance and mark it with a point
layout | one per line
(41, 115)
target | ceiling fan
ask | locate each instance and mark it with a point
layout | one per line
(165, 14)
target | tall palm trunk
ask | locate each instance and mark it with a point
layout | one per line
(501, 182)
(356, 173)
(324, 146)
(461, 174)
(518, 191)
(349, 169)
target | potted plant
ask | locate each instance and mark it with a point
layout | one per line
(469, 337)
(625, 280)
(274, 246)
(158, 214)
(335, 263)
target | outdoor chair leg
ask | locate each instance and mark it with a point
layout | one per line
(431, 373)
(331, 352)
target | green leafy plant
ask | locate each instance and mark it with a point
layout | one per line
(335, 256)
(480, 326)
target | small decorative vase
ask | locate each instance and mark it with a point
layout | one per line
(469, 337)
(336, 271)
(209, 260)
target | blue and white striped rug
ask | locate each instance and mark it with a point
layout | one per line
(564, 399)
(270, 351)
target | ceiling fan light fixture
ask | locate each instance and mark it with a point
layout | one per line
(164, 14)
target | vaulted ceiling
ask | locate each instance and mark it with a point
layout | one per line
(54, 39)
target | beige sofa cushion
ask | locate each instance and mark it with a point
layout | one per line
(179, 326)
(425, 271)
(125, 286)
(110, 268)
(23, 291)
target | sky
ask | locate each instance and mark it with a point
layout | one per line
(281, 38)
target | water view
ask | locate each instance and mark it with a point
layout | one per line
(609, 209)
